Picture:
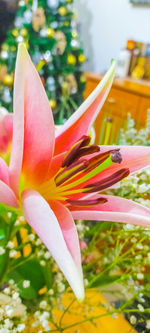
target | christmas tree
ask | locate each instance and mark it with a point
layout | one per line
(49, 30)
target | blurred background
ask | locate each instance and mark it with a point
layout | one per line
(72, 43)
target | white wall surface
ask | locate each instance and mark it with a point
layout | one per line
(106, 25)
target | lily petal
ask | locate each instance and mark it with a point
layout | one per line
(69, 230)
(7, 196)
(42, 219)
(33, 121)
(116, 210)
(4, 171)
(80, 122)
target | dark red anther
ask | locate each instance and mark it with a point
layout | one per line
(82, 203)
(70, 157)
(108, 181)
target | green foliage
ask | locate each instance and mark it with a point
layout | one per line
(29, 270)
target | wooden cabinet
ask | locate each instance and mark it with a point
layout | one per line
(126, 96)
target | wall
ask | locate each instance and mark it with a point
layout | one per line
(105, 27)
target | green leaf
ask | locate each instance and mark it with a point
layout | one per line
(30, 270)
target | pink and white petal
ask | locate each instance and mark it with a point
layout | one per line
(33, 128)
(7, 196)
(115, 210)
(55, 165)
(39, 133)
(42, 219)
(8, 124)
(81, 120)
(4, 172)
(133, 157)
(69, 231)
(18, 121)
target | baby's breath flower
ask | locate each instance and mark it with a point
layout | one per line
(2, 250)
(20, 327)
(26, 284)
(148, 324)
(140, 307)
(31, 237)
(43, 304)
(12, 253)
(47, 255)
(140, 276)
(10, 245)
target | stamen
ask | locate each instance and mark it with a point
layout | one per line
(116, 156)
(87, 151)
(108, 181)
(71, 154)
(82, 203)
(70, 171)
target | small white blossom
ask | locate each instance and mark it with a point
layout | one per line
(47, 255)
(148, 324)
(17, 222)
(26, 284)
(15, 295)
(140, 307)
(7, 291)
(9, 214)
(20, 327)
(42, 263)
(133, 320)
(10, 245)
(12, 253)
(140, 276)
(2, 250)
(43, 304)
(38, 242)
(9, 310)
(31, 237)
(21, 218)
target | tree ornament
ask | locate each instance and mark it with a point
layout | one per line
(49, 32)
(52, 103)
(4, 55)
(61, 41)
(47, 56)
(13, 48)
(74, 34)
(24, 32)
(6, 95)
(81, 58)
(3, 72)
(39, 19)
(82, 79)
(15, 32)
(75, 43)
(62, 11)
(52, 3)
(8, 80)
(20, 39)
(51, 83)
(28, 16)
(5, 47)
(70, 79)
(71, 59)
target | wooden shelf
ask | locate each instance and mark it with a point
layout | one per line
(126, 96)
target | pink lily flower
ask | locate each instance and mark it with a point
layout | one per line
(55, 179)
(5, 130)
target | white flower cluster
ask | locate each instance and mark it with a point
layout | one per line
(12, 311)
